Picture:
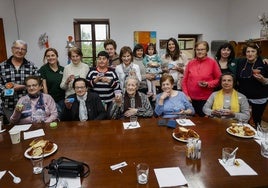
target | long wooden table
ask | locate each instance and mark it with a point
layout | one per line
(104, 143)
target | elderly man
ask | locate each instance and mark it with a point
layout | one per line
(13, 73)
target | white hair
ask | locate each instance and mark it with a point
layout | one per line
(20, 42)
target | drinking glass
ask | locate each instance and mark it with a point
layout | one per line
(142, 170)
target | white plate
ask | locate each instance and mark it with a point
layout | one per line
(179, 139)
(55, 147)
(240, 136)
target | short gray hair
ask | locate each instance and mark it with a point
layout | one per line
(20, 42)
(133, 78)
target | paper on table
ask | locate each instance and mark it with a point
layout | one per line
(72, 182)
(258, 141)
(32, 134)
(168, 177)
(242, 170)
(128, 126)
(2, 173)
(24, 127)
(185, 122)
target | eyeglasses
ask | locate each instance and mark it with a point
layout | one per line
(198, 50)
(77, 87)
(19, 49)
(33, 86)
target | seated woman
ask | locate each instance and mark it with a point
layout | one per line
(83, 105)
(132, 102)
(171, 103)
(35, 107)
(227, 102)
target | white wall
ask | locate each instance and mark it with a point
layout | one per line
(243, 19)
(215, 19)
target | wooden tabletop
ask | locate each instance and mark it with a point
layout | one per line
(101, 144)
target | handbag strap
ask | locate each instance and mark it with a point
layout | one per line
(85, 173)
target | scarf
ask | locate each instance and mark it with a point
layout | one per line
(126, 70)
(39, 108)
(132, 102)
(219, 98)
(83, 116)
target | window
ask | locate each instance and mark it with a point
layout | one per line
(89, 35)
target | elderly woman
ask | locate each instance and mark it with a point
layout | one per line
(83, 105)
(201, 77)
(252, 76)
(227, 103)
(132, 102)
(171, 103)
(35, 107)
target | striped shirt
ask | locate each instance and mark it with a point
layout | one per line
(104, 89)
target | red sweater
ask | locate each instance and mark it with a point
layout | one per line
(201, 70)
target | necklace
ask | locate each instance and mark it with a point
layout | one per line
(223, 64)
(247, 73)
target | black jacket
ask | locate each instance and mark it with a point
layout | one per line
(95, 108)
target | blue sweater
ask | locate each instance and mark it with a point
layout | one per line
(172, 105)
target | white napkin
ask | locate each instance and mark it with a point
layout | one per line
(2, 173)
(170, 177)
(242, 170)
(127, 125)
(185, 122)
(33, 134)
(72, 182)
(24, 127)
(258, 141)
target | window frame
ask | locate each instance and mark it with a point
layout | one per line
(93, 22)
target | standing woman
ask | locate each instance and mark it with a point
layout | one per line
(201, 76)
(138, 55)
(51, 73)
(127, 67)
(225, 56)
(76, 69)
(174, 62)
(110, 47)
(252, 76)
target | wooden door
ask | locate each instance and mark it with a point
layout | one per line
(3, 52)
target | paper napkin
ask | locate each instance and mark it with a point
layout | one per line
(24, 127)
(185, 122)
(33, 134)
(2, 173)
(242, 170)
(128, 126)
(66, 182)
(170, 177)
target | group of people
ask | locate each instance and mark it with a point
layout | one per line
(122, 85)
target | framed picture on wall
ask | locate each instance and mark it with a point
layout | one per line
(144, 38)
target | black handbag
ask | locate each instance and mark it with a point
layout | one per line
(65, 167)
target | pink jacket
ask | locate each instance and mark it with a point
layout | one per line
(201, 70)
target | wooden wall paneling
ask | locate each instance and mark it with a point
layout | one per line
(3, 52)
